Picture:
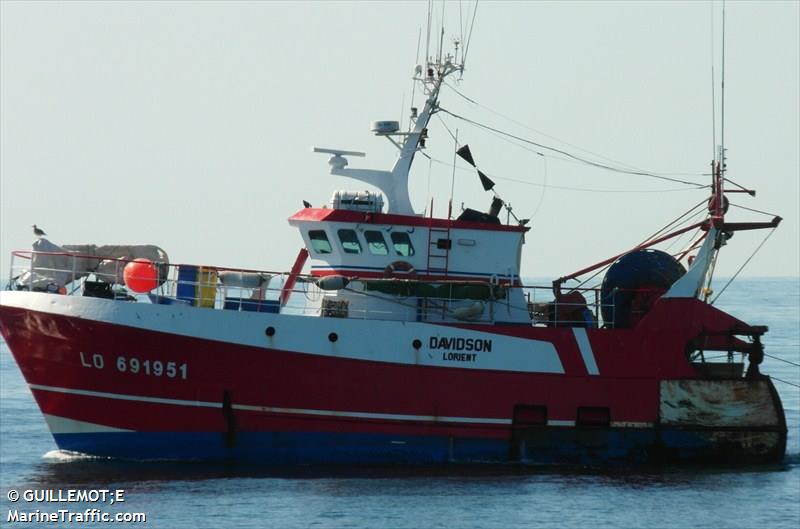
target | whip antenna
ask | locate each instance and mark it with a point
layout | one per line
(722, 110)
(713, 92)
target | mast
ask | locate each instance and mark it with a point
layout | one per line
(394, 183)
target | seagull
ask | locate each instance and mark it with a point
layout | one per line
(38, 231)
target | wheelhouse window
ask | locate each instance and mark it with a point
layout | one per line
(349, 241)
(319, 241)
(376, 243)
(402, 244)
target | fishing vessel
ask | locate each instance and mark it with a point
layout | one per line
(397, 337)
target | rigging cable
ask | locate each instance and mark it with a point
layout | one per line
(784, 381)
(414, 80)
(743, 265)
(709, 277)
(469, 35)
(692, 245)
(524, 126)
(450, 132)
(782, 359)
(749, 191)
(564, 188)
(460, 30)
(544, 189)
(681, 237)
(573, 156)
(650, 238)
(689, 212)
(753, 210)
(567, 188)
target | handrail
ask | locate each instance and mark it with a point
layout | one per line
(208, 289)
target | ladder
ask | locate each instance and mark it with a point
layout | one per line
(439, 246)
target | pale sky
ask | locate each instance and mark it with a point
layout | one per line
(190, 125)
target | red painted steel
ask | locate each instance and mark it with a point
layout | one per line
(630, 362)
(341, 215)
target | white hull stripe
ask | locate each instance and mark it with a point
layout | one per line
(64, 425)
(269, 409)
(586, 350)
(59, 425)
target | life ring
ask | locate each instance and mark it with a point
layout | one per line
(400, 269)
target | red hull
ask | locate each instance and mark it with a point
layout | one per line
(266, 390)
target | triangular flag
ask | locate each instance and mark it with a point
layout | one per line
(486, 182)
(465, 153)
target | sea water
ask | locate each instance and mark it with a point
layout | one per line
(202, 495)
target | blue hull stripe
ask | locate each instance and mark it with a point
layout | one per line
(600, 447)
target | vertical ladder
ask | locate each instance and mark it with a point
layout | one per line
(439, 246)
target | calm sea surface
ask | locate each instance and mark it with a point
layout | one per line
(197, 496)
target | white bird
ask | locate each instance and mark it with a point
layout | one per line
(38, 231)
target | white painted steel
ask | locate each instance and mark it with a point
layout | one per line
(60, 425)
(371, 340)
(690, 284)
(586, 350)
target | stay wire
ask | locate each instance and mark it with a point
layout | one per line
(743, 265)
(782, 359)
(566, 188)
(450, 132)
(523, 125)
(753, 210)
(650, 238)
(563, 188)
(683, 215)
(573, 156)
(460, 27)
(544, 189)
(469, 35)
(694, 242)
(680, 238)
(784, 381)
(740, 186)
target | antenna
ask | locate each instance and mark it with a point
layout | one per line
(337, 160)
(338, 152)
(722, 110)
(460, 27)
(441, 38)
(453, 178)
(713, 92)
(428, 34)
(469, 35)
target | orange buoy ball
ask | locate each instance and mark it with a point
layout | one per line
(141, 275)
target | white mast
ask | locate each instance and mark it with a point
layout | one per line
(394, 183)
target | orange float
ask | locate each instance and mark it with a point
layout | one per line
(141, 275)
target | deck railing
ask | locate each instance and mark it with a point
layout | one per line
(249, 290)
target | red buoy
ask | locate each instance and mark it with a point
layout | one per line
(141, 275)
